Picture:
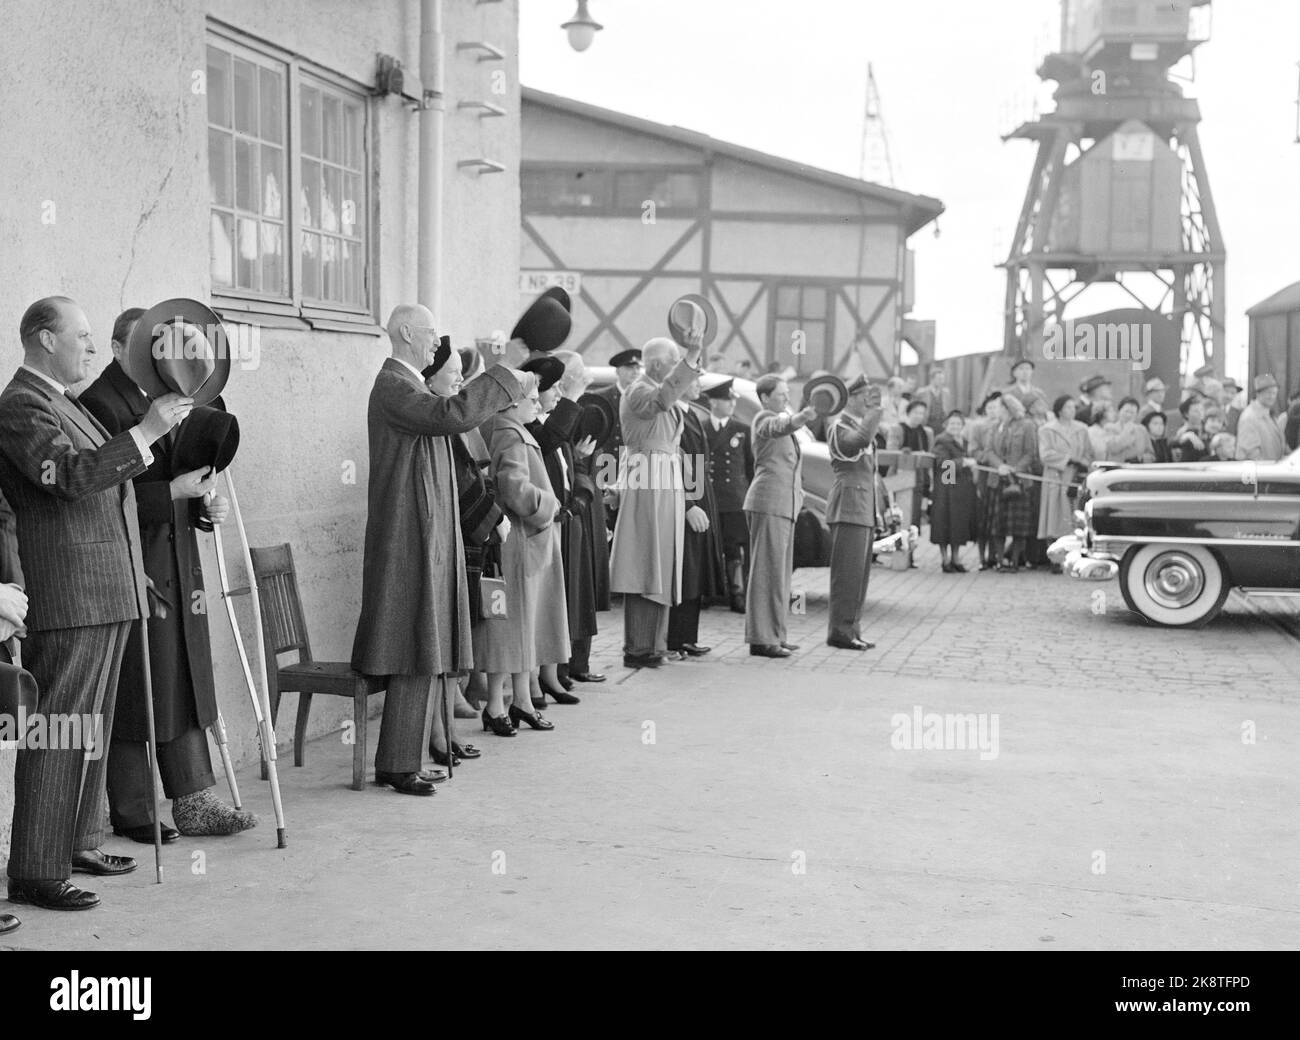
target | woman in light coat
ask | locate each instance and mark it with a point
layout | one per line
(537, 627)
(1065, 451)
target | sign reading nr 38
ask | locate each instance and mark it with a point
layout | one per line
(534, 282)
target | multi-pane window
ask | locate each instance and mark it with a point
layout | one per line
(275, 134)
(800, 324)
(576, 187)
(667, 190)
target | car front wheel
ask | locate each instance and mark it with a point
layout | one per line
(1177, 586)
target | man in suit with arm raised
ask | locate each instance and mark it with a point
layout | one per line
(70, 487)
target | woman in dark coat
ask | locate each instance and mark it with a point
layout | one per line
(704, 572)
(1015, 450)
(1155, 423)
(955, 503)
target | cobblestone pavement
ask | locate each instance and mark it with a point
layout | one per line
(1031, 628)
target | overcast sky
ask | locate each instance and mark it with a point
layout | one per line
(789, 78)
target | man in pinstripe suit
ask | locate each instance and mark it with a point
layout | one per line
(70, 487)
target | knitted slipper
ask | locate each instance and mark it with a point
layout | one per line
(202, 814)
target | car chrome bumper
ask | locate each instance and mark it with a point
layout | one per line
(1089, 565)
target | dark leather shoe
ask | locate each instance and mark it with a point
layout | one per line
(792, 647)
(144, 835)
(560, 696)
(465, 751)
(8, 922)
(94, 861)
(850, 644)
(695, 650)
(758, 650)
(435, 776)
(586, 677)
(52, 895)
(642, 660)
(406, 783)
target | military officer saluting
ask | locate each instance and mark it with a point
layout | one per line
(731, 468)
(851, 512)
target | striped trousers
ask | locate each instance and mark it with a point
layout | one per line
(59, 795)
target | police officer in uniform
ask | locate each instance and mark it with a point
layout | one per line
(627, 370)
(851, 512)
(731, 468)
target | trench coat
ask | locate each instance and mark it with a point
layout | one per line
(414, 606)
(180, 649)
(536, 630)
(1058, 443)
(649, 535)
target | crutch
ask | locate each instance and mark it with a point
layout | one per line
(219, 734)
(261, 699)
(446, 720)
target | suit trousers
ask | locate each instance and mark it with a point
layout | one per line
(771, 563)
(59, 795)
(645, 625)
(579, 658)
(184, 763)
(850, 572)
(403, 731)
(684, 623)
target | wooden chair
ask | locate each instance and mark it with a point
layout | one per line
(284, 631)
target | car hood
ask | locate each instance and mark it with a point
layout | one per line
(1200, 477)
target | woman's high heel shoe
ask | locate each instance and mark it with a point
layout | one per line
(535, 721)
(502, 726)
(559, 696)
(440, 757)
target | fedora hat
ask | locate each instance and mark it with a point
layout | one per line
(689, 311)
(560, 296)
(206, 437)
(827, 394)
(179, 347)
(549, 371)
(1264, 382)
(597, 419)
(545, 325)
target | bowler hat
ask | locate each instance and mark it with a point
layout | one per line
(691, 311)
(826, 394)
(626, 357)
(178, 346)
(597, 419)
(1264, 382)
(549, 371)
(544, 326)
(206, 437)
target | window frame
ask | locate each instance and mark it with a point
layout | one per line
(829, 289)
(611, 171)
(292, 309)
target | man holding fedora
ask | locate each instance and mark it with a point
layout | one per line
(414, 626)
(851, 513)
(1258, 436)
(772, 506)
(69, 482)
(175, 499)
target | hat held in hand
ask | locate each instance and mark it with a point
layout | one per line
(179, 347)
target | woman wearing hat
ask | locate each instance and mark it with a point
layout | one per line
(1015, 450)
(531, 565)
(1066, 453)
(979, 440)
(952, 524)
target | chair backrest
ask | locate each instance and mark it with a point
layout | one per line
(283, 625)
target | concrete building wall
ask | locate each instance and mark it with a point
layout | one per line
(106, 199)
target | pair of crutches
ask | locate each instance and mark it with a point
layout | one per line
(260, 696)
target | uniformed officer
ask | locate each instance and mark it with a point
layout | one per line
(731, 468)
(851, 512)
(627, 370)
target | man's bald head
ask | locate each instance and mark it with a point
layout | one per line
(411, 332)
(659, 355)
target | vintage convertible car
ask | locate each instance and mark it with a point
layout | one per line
(1180, 537)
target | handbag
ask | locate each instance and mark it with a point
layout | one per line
(492, 604)
(1012, 488)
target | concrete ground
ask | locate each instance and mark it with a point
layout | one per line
(1143, 796)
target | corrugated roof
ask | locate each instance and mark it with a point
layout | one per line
(1284, 301)
(918, 210)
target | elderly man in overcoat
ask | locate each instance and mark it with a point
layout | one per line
(851, 513)
(646, 559)
(772, 506)
(415, 624)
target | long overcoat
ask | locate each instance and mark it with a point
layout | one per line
(646, 559)
(414, 606)
(180, 649)
(1058, 443)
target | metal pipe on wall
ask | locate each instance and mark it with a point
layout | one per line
(432, 110)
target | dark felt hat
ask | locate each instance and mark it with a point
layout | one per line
(178, 346)
(440, 357)
(549, 371)
(827, 394)
(18, 689)
(560, 296)
(597, 419)
(626, 357)
(545, 325)
(206, 437)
